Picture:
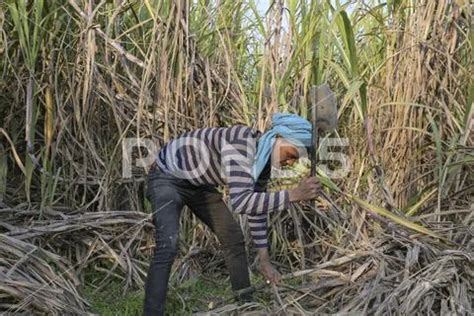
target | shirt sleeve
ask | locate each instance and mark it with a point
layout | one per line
(258, 224)
(259, 229)
(238, 157)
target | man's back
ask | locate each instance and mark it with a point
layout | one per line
(200, 156)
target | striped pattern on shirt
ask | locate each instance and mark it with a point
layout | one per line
(225, 156)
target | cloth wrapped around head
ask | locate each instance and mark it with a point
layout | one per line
(291, 127)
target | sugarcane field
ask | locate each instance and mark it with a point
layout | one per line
(236, 157)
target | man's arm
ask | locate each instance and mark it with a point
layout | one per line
(264, 264)
(259, 223)
(237, 158)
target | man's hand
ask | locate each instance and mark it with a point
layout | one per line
(307, 189)
(269, 272)
(266, 268)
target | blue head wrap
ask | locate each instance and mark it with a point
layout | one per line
(292, 127)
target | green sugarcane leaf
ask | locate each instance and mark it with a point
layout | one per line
(395, 218)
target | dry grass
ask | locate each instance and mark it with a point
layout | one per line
(34, 279)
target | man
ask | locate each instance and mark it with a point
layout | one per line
(187, 171)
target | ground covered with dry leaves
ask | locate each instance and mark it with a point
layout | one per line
(54, 264)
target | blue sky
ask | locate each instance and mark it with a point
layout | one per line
(262, 5)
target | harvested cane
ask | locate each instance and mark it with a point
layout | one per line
(335, 262)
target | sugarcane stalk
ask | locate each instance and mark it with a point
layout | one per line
(314, 137)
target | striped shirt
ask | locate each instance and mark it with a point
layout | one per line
(225, 156)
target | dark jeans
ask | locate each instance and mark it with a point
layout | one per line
(168, 195)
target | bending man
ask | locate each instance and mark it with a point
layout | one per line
(187, 171)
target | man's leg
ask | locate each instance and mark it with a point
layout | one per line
(209, 207)
(166, 205)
